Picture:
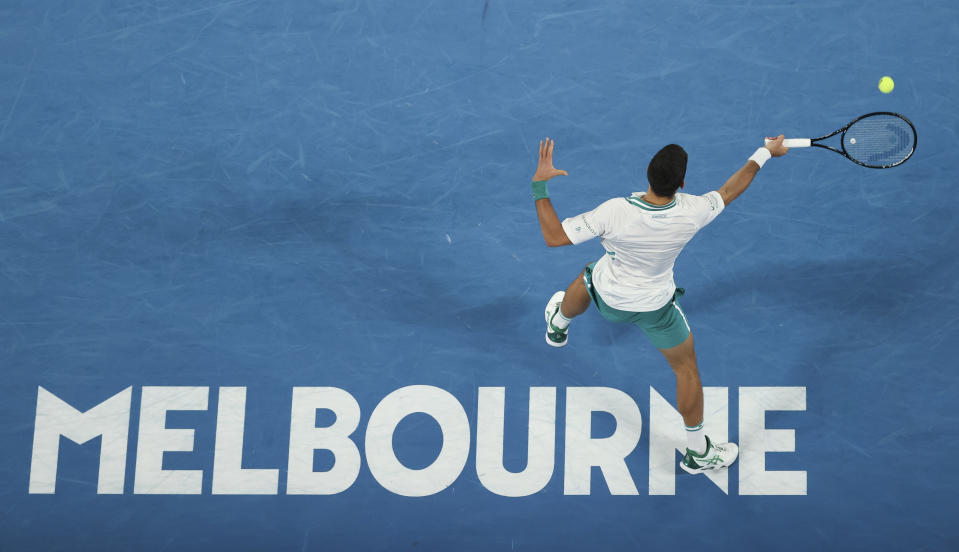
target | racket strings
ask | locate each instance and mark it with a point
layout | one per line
(880, 140)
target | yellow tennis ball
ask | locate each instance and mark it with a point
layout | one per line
(886, 85)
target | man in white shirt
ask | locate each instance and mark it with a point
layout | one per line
(633, 282)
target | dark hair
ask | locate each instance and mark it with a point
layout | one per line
(667, 170)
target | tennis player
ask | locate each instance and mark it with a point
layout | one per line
(643, 233)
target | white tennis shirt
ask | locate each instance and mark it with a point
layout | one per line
(642, 242)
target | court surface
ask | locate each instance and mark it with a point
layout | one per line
(272, 195)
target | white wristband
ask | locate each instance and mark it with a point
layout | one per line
(761, 156)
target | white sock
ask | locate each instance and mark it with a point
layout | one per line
(696, 439)
(559, 321)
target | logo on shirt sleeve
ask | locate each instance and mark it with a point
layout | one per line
(588, 227)
(713, 202)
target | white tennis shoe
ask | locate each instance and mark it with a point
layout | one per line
(717, 456)
(555, 337)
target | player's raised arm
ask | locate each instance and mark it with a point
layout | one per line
(741, 179)
(549, 223)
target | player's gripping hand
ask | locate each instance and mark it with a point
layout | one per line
(545, 169)
(776, 147)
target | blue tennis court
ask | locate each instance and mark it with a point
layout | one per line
(277, 267)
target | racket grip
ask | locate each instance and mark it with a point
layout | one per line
(795, 142)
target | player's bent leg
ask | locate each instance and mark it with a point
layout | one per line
(701, 453)
(577, 298)
(689, 390)
(562, 307)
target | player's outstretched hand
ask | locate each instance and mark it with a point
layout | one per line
(776, 147)
(545, 170)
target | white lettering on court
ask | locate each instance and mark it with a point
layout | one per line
(666, 436)
(541, 442)
(609, 453)
(756, 441)
(305, 438)
(448, 413)
(229, 476)
(110, 420)
(155, 438)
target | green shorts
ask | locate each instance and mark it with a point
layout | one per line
(665, 328)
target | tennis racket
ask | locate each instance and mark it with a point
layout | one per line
(876, 140)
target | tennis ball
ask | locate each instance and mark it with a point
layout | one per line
(886, 85)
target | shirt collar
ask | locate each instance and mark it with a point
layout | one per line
(638, 200)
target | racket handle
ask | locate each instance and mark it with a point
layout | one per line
(795, 142)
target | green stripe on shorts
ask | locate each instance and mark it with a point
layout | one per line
(666, 327)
